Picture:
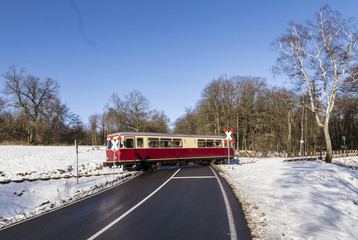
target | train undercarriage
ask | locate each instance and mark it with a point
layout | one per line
(156, 164)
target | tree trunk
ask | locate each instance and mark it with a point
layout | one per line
(237, 132)
(217, 123)
(29, 135)
(306, 132)
(328, 143)
(302, 128)
(33, 134)
(289, 132)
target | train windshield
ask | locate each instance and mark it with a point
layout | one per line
(119, 144)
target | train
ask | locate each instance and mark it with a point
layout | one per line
(143, 151)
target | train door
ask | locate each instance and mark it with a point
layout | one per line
(129, 149)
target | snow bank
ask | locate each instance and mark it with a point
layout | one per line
(43, 162)
(297, 200)
(29, 198)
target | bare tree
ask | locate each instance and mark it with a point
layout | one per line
(289, 100)
(104, 131)
(94, 124)
(213, 95)
(115, 114)
(248, 89)
(29, 94)
(134, 113)
(186, 124)
(319, 56)
(2, 104)
(137, 111)
(158, 122)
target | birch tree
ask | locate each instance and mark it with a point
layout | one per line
(319, 55)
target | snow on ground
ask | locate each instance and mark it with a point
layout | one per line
(29, 198)
(297, 200)
(34, 162)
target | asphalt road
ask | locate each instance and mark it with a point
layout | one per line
(185, 203)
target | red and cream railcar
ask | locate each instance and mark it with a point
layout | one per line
(149, 149)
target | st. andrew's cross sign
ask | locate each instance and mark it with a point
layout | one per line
(114, 145)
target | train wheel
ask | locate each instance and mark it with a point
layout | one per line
(155, 166)
(136, 167)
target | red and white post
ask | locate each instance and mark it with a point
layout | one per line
(114, 149)
(228, 138)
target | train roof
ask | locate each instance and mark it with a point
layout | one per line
(164, 135)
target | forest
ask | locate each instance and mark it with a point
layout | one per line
(264, 119)
(268, 120)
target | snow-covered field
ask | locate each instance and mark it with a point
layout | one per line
(297, 200)
(43, 162)
(21, 198)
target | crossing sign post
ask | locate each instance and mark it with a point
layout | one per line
(76, 144)
(114, 149)
(228, 138)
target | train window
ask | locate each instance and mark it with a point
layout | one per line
(109, 144)
(153, 142)
(201, 143)
(177, 143)
(129, 143)
(139, 142)
(210, 143)
(165, 143)
(218, 143)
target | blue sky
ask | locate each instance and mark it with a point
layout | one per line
(169, 50)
